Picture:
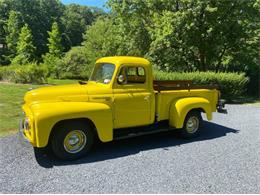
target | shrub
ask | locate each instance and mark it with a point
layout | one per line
(74, 65)
(30, 73)
(231, 85)
(69, 75)
(50, 63)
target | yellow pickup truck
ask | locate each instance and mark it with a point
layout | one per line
(120, 100)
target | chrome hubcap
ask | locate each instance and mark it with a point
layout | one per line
(75, 141)
(192, 124)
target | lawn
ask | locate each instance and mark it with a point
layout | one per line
(11, 99)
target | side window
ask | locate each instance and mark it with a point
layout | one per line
(131, 71)
(133, 75)
(140, 71)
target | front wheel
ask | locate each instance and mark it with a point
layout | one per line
(192, 124)
(72, 140)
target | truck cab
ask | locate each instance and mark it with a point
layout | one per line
(120, 100)
(131, 84)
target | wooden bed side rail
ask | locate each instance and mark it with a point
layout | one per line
(179, 85)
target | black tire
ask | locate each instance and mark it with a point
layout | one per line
(61, 132)
(189, 130)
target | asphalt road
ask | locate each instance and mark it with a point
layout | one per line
(224, 159)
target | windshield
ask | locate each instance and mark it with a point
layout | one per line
(103, 73)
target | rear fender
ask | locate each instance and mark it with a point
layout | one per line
(48, 114)
(180, 108)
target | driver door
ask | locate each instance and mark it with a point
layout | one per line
(132, 100)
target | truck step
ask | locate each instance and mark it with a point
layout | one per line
(143, 130)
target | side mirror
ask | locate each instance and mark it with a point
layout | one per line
(121, 79)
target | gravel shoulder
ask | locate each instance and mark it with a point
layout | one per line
(224, 159)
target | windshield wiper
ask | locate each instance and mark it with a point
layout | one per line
(82, 82)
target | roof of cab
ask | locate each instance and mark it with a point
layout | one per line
(123, 60)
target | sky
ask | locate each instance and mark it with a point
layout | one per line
(97, 3)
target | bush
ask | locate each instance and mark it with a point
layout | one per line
(30, 73)
(231, 85)
(50, 63)
(69, 75)
(74, 65)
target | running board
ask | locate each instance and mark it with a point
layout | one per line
(125, 133)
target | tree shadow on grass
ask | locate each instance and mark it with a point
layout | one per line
(131, 146)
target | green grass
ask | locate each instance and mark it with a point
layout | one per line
(11, 99)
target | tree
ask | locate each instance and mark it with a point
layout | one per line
(75, 20)
(49, 11)
(4, 10)
(12, 29)
(192, 35)
(52, 58)
(54, 45)
(40, 15)
(74, 64)
(25, 48)
(101, 39)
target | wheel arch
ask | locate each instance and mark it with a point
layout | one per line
(197, 109)
(181, 107)
(74, 120)
(98, 115)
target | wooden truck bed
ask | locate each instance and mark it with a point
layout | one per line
(179, 85)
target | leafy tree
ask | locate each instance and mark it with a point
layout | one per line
(52, 58)
(25, 48)
(192, 35)
(101, 39)
(13, 26)
(4, 10)
(46, 13)
(40, 15)
(74, 64)
(75, 20)
(54, 45)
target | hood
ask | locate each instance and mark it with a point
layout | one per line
(73, 92)
(56, 93)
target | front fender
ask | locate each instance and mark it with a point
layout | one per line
(180, 108)
(48, 114)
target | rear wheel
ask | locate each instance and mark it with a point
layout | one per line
(192, 124)
(72, 140)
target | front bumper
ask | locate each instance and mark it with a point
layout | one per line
(221, 106)
(23, 139)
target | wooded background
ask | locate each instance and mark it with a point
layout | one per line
(175, 35)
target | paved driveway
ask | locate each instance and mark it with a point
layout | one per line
(224, 159)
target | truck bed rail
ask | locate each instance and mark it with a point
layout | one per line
(165, 85)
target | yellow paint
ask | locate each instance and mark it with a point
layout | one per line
(48, 114)
(110, 106)
(180, 108)
(134, 104)
(166, 99)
